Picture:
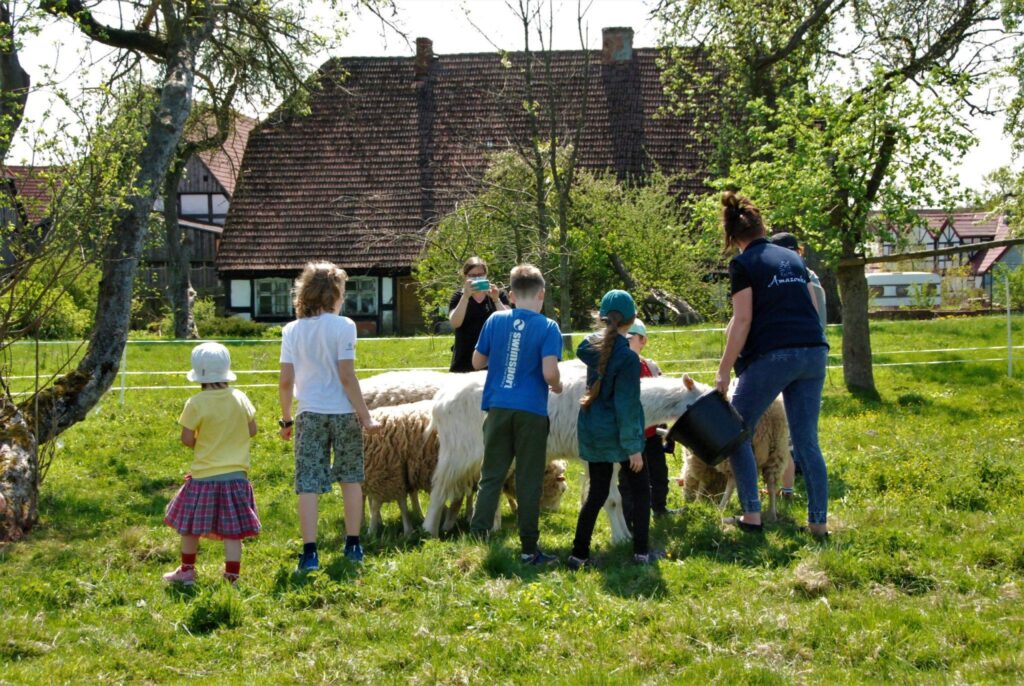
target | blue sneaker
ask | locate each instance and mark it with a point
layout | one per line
(538, 558)
(354, 553)
(308, 563)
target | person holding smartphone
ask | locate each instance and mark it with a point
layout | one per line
(469, 308)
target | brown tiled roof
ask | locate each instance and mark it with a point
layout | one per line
(34, 186)
(381, 155)
(968, 223)
(225, 162)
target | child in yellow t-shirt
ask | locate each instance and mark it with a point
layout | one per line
(216, 500)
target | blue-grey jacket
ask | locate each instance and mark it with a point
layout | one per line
(612, 428)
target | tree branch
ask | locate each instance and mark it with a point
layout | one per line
(878, 172)
(125, 39)
(797, 39)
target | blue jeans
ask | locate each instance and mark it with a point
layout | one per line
(799, 374)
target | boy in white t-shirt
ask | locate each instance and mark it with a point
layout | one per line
(318, 353)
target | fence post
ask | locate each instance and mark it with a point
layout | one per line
(124, 368)
(1009, 327)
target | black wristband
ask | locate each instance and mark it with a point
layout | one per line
(285, 423)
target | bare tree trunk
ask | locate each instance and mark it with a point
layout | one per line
(857, 370)
(179, 258)
(19, 465)
(14, 82)
(19, 473)
(564, 282)
(72, 396)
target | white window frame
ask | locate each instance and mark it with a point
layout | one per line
(280, 297)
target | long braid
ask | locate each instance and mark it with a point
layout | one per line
(608, 338)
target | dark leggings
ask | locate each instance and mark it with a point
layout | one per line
(639, 485)
(657, 467)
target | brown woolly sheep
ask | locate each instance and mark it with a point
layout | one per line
(771, 452)
(400, 460)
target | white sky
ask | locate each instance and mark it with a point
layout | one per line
(445, 22)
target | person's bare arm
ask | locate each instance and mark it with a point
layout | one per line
(285, 395)
(495, 295)
(350, 382)
(479, 360)
(188, 437)
(549, 366)
(736, 335)
(458, 314)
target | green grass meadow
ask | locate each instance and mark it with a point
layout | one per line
(921, 582)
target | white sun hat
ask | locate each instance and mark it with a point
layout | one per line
(211, 363)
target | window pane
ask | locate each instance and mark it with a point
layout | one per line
(194, 205)
(220, 203)
(273, 298)
(361, 296)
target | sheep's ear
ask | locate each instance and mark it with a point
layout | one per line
(688, 382)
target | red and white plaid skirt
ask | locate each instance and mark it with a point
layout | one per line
(214, 509)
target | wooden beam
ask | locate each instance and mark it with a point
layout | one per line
(954, 250)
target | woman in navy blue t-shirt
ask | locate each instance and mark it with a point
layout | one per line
(776, 343)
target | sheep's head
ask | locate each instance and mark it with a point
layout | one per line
(554, 485)
(665, 399)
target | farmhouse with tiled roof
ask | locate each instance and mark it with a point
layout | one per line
(204, 196)
(392, 146)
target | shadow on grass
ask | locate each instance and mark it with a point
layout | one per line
(68, 516)
(502, 563)
(624, 578)
(698, 532)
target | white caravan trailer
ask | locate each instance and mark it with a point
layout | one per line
(904, 289)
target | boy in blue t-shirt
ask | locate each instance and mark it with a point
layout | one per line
(520, 349)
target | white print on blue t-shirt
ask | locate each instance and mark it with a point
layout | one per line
(785, 275)
(512, 358)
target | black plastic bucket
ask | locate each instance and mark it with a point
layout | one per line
(711, 428)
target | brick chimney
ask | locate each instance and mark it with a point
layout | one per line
(616, 44)
(424, 56)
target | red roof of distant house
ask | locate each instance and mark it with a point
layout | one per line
(967, 223)
(35, 187)
(225, 162)
(986, 259)
(383, 154)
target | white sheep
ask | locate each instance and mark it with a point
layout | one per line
(399, 388)
(400, 460)
(458, 420)
(771, 453)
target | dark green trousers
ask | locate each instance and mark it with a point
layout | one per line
(512, 435)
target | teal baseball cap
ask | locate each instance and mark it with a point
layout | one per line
(618, 301)
(638, 328)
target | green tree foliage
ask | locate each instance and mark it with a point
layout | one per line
(640, 225)
(838, 116)
(50, 286)
(1001, 274)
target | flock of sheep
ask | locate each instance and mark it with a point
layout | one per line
(431, 439)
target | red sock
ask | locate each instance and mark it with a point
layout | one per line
(188, 561)
(232, 567)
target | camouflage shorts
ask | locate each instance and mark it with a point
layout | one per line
(315, 436)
